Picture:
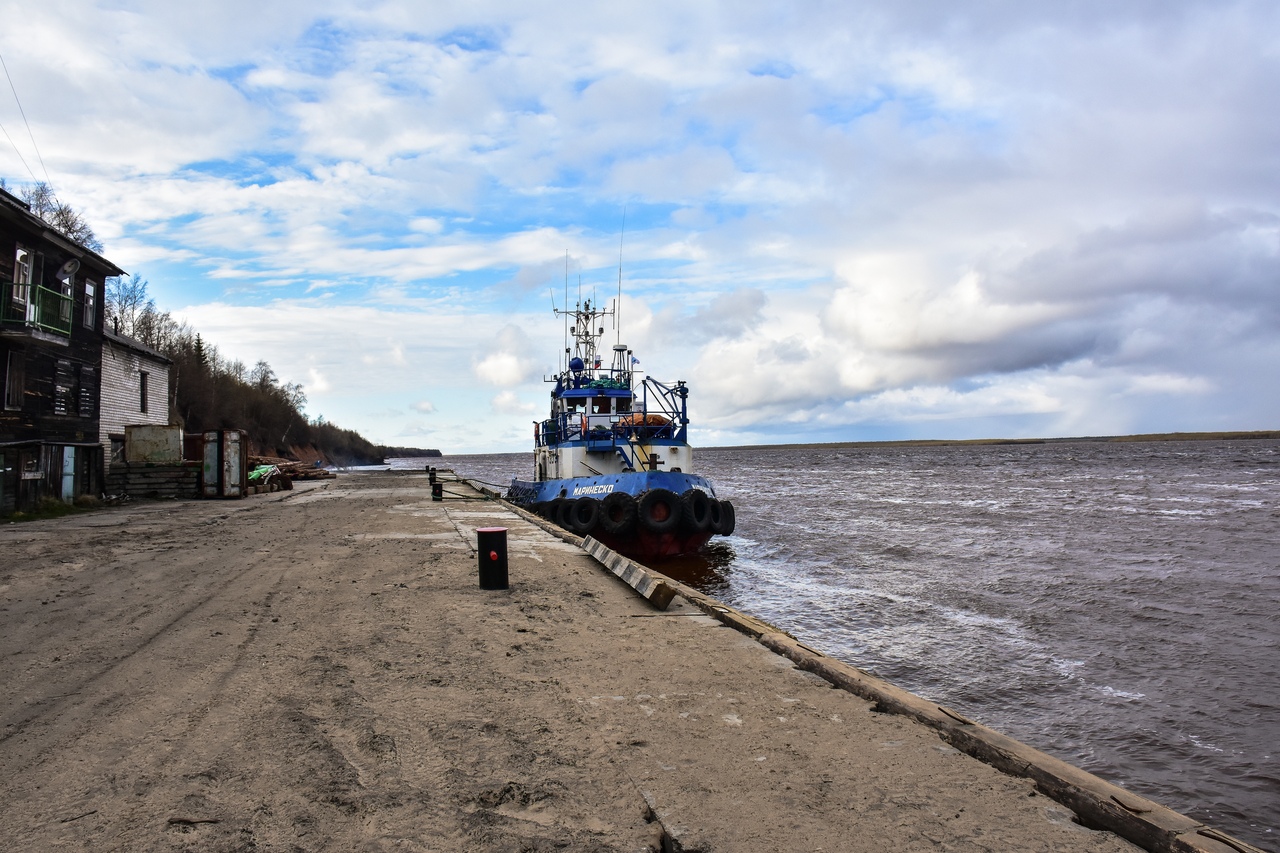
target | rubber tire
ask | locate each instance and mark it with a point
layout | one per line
(565, 512)
(618, 514)
(584, 516)
(551, 510)
(695, 510)
(716, 516)
(728, 520)
(652, 505)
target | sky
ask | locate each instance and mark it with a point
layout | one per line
(837, 221)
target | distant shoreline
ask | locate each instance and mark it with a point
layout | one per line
(944, 442)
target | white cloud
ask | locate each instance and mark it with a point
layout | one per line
(508, 360)
(507, 403)
(1059, 214)
(317, 383)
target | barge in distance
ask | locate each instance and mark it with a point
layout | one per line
(613, 460)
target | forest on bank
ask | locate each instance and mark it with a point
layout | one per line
(209, 391)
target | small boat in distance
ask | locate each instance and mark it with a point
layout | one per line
(613, 460)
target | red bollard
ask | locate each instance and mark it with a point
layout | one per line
(491, 547)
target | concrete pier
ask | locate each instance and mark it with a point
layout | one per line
(320, 670)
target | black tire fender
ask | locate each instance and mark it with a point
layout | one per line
(618, 513)
(565, 512)
(716, 515)
(695, 510)
(659, 511)
(728, 519)
(584, 515)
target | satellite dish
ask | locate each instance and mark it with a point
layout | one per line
(68, 269)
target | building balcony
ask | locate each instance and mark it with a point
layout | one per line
(34, 308)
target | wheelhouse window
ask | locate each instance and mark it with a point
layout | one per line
(90, 304)
(143, 382)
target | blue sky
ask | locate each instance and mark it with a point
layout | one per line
(844, 221)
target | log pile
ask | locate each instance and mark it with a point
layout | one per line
(292, 468)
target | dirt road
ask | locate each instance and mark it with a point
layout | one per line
(318, 670)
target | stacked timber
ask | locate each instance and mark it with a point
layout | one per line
(292, 468)
(150, 480)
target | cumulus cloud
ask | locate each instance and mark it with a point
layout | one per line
(508, 359)
(1060, 215)
(507, 403)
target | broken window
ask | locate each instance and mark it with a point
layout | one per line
(63, 398)
(13, 384)
(88, 391)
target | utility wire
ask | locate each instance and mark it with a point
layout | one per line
(23, 112)
(19, 153)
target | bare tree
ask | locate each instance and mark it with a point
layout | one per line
(62, 216)
(127, 303)
(262, 376)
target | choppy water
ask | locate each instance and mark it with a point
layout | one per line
(1117, 605)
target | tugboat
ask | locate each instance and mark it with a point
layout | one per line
(613, 460)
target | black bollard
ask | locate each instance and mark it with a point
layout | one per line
(491, 545)
(437, 491)
(431, 474)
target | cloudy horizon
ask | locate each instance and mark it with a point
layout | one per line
(843, 221)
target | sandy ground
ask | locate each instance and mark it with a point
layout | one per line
(318, 670)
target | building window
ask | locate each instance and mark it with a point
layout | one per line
(88, 391)
(90, 304)
(142, 391)
(13, 384)
(65, 287)
(22, 262)
(63, 393)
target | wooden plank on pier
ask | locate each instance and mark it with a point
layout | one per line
(650, 585)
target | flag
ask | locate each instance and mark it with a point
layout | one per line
(635, 362)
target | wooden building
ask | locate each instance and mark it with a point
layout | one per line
(51, 343)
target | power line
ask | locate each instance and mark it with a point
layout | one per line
(23, 112)
(19, 153)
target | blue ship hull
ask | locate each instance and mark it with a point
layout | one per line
(634, 483)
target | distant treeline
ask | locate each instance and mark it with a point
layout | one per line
(407, 452)
(211, 392)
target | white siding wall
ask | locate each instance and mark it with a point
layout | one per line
(121, 397)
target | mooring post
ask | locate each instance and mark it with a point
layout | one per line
(437, 491)
(431, 474)
(491, 547)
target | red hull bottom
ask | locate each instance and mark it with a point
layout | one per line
(643, 545)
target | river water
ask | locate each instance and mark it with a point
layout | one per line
(1113, 604)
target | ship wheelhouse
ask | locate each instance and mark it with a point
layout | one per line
(609, 420)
